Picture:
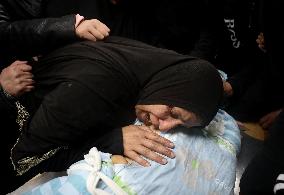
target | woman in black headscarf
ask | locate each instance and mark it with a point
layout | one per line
(86, 96)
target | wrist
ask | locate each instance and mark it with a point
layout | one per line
(78, 20)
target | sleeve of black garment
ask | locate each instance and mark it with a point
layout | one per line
(33, 36)
(7, 107)
(241, 80)
(111, 142)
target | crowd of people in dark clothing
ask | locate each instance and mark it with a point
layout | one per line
(241, 38)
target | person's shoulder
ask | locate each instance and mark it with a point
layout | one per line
(26, 8)
(126, 41)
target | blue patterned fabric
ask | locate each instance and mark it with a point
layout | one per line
(205, 164)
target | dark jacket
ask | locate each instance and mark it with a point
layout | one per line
(238, 54)
(25, 33)
(186, 26)
(33, 27)
(189, 26)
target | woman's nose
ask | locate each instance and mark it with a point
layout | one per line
(165, 125)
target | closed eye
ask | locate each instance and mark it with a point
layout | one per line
(175, 115)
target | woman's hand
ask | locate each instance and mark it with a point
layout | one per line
(17, 78)
(92, 30)
(140, 141)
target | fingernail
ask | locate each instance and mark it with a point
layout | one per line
(164, 161)
(172, 145)
(147, 164)
(173, 155)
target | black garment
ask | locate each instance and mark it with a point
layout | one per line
(274, 40)
(24, 32)
(238, 54)
(87, 92)
(257, 88)
(30, 28)
(261, 174)
(238, 49)
(242, 60)
(9, 126)
(186, 88)
(255, 102)
(122, 19)
(186, 26)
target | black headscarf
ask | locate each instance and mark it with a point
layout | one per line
(193, 85)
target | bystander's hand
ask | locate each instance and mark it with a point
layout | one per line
(17, 78)
(140, 141)
(92, 30)
(260, 42)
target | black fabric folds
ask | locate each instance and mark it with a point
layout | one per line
(195, 86)
(86, 92)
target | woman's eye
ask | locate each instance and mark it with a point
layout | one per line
(145, 117)
(175, 115)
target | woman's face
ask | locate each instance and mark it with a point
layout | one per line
(164, 117)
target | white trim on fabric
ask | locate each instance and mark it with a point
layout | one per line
(279, 186)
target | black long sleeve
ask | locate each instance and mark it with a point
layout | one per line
(24, 33)
(34, 37)
(7, 106)
(112, 142)
(241, 80)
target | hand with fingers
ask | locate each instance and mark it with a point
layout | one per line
(92, 30)
(261, 42)
(17, 78)
(140, 142)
